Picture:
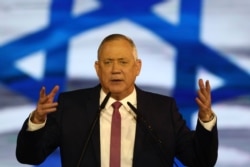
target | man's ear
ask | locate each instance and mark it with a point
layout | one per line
(97, 67)
(138, 66)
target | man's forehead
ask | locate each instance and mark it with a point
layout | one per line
(117, 42)
(116, 58)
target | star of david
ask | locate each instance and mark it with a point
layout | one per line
(184, 37)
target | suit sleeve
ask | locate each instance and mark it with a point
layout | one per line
(34, 146)
(194, 148)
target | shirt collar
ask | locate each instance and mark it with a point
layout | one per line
(130, 98)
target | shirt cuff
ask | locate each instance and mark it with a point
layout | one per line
(209, 125)
(32, 126)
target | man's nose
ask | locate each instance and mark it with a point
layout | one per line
(116, 67)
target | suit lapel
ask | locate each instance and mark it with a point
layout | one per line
(140, 135)
(92, 111)
(145, 107)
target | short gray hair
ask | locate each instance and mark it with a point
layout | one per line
(116, 37)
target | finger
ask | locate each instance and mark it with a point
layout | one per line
(201, 84)
(42, 95)
(202, 87)
(49, 110)
(46, 108)
(54, 90)
(201, 91)
(203, 107)
(48, 105)
(203, 103)
(208, 88)
(46, 111)
(201, 96)
(205, 86)
(205, 89)
(53, 93)
(42, 92)
(199, 102)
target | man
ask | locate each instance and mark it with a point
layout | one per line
(152, 131)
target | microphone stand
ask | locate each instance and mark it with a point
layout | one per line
(102, 106)
(150, 130)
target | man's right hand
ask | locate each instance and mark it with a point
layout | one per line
(45, 105)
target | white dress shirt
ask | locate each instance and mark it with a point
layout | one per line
(128, 126)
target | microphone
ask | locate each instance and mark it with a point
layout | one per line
(101, 107)
(150, 130)
(146, 124)
(104, 102)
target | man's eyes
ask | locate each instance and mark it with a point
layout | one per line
(123, 62)
(107, 62)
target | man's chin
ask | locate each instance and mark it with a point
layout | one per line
(116, 88)
(115, 91)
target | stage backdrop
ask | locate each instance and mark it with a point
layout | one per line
(48, 42)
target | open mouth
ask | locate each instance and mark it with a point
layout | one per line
(116, 80)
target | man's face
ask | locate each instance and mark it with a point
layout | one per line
(117, 68)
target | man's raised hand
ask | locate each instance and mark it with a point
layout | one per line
(204, 101)
(45, 105)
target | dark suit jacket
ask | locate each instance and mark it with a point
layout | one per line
(69, 127)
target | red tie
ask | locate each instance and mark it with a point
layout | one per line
(115, 141)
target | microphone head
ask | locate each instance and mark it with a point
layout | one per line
(102, 106)
(132, 107)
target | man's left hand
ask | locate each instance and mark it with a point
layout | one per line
(204, 101)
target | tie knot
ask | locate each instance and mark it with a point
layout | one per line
(116, 105)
